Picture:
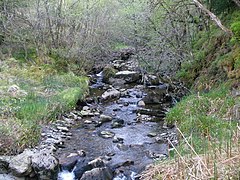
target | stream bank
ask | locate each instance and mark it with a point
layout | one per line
(114, 134)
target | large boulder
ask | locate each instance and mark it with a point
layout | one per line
(20, 165)
(45, 164)
(128, 76)
(107, 73)
(157, 95)
(111, 94)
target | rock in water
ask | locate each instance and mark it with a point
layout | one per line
(20, 165)
(98, 173)
(141, 103)
(105, 118)
(111, 94)
(45, 164)
(128, 76)
(117, 123)
(106, 134)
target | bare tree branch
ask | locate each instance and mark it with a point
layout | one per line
(237, 2)
(213, 16)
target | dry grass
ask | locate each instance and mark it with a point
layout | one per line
(218, 163)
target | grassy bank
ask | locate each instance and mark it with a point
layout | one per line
(207, 119)
(32, 95)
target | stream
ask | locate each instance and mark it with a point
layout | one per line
(123, 133)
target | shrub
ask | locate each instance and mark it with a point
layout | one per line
(235, 27)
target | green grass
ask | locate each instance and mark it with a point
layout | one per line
(120, 46)
(205, 116)
(46, 95)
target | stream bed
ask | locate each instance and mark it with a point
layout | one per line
(125, 134)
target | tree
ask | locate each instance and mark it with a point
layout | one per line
(213, 17)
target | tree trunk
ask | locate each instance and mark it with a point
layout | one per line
(213, 16)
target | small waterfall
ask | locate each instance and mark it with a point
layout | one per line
(66, 175)
(99, 83)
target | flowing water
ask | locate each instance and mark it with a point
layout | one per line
(137, 147)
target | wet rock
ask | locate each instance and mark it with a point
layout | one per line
(10, 177)
(81, 153)
(153, 80)
(111, 94)
(96, 163)
(127, 162)
(122, 147)
(105, 118)
(81, 167)
(157, 94)
(117, 139)
(4, 163)
(107, 73)
(106, 134)
(152, 134)
(117, 81)
(98, 173)
(141, 103)
(160, 139)
(88, 122)
(86, 108)
(157, 113)
(45, 164)
(68, 163)
(86, 113)
(128, 76)
(117, 123)
(20, 165)
(64, 129)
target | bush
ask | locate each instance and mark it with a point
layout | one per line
(235, 27)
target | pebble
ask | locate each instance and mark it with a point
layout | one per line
(64, 129)
(152, 134)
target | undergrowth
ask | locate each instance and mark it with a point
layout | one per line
(207, 119)
(40, 94)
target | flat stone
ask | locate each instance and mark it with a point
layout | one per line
(128, 76)
(106, 134)
(64, 129)
(151, 134)
(20, 165)
(105, 118)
